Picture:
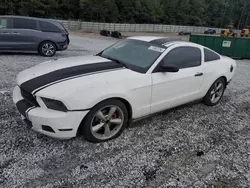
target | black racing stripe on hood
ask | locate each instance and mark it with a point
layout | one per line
(23, 106)
(43, 80)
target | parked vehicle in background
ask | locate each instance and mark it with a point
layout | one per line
(22, 34)
(116, 34)
(184, 33)
(105, 33)
(245, 33)
(230, 31)
(210, 31)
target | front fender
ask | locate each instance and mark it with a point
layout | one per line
(85, 92)
(86, 98)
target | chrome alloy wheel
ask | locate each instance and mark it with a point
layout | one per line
(107, 122)
(217, 91)
(48, 49)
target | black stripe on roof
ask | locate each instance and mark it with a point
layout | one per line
(162, 41)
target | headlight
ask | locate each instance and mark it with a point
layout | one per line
(54, 104)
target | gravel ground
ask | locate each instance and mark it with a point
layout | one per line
(190, 146)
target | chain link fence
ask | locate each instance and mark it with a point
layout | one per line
(123, 27)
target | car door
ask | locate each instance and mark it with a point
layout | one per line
(25, 34)
(173, 89)
(5, 38)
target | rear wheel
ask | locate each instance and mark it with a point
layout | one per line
(215, 93)
(105, 121)
(47, 49)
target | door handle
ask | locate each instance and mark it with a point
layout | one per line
(199, 74)
(15, 33)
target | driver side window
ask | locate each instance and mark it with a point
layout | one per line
(183, 57)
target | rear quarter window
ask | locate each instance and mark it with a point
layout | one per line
(49, 27)
(210, 55)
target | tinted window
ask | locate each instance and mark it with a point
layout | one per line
(210, 56)
(49, 27)
(22, 23)
(3, 23)
(183, 57)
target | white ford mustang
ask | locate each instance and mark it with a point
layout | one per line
(99, 95)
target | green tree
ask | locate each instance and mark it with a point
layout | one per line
(99, 10)
(213, 13)
(169, 9)
(182, 12)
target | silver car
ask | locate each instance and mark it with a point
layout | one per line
(27, 34)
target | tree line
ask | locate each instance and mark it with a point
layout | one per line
(212, 13)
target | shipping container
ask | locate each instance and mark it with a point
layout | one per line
(235, 47)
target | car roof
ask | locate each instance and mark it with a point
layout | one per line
(164, 41)
(27, 17)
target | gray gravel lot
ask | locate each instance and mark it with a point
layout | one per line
(190, 146)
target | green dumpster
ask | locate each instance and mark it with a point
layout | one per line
(230, 46)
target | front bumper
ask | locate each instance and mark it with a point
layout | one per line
(62, 45)
(62, 125)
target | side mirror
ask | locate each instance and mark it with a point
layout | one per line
(168, 68)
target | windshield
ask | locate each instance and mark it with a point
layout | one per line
(134, 54)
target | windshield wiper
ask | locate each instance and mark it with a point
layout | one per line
(119, 62)
(99, 54)
(123, 64)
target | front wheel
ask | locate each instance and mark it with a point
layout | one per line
(47, 49)
(105, 121)
(215, 93)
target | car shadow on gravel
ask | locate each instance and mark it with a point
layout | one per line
(139, 122)
(20, 53)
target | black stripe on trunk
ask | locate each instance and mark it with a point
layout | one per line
(23, 106)
(65, 73)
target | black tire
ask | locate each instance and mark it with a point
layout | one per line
(207, 100)
(86, 126)
(51, 49)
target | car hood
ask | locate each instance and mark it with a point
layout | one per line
(49, 73)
